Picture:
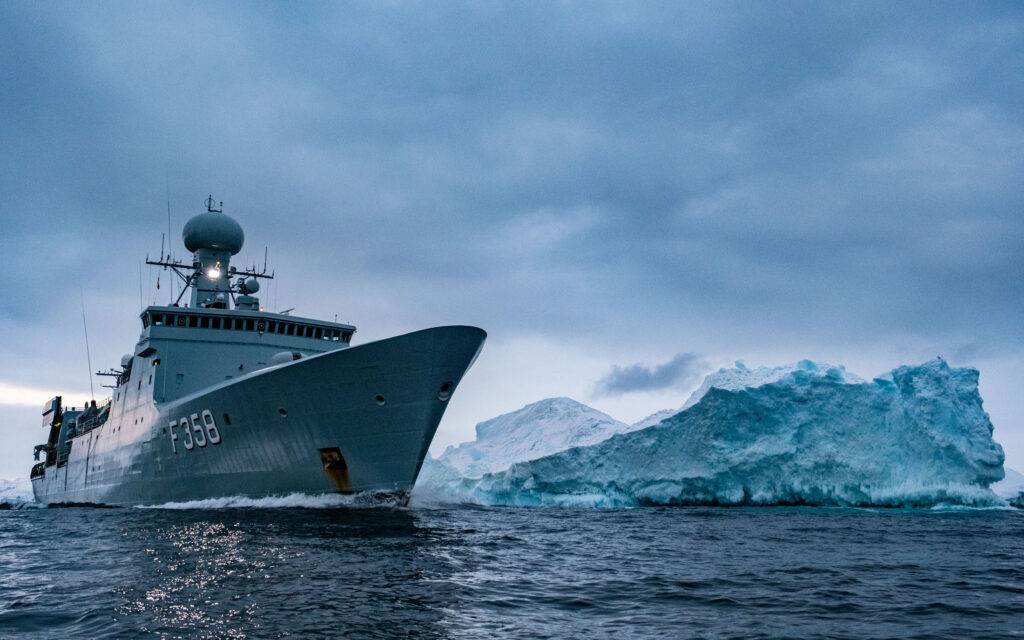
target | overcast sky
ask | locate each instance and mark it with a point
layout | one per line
(623, 196)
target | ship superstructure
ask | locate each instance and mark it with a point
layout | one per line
(222, 398)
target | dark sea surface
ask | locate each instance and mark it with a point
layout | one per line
(473, 572)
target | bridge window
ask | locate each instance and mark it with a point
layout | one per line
(193, 321)
(204, 323)
(346, 336)
(291, 329)
(250, 324)
(215, 323)
(319, 333)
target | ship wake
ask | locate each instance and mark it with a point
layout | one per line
(292, 501)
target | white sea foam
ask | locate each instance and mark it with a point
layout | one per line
(289, 501)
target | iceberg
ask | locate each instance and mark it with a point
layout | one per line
(16, 493)
(809, 434)
(535, 431)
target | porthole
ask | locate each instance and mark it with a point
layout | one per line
(445, 391)
(380, 399)
(282, 412)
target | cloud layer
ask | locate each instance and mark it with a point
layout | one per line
(771, 182)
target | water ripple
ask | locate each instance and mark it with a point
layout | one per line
(241, 570)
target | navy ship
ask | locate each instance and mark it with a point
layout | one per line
(221, 398)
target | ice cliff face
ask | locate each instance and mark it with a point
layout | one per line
(812, 434)
(535, 431)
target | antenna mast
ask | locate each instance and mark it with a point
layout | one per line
(167, 185)
(88, 355)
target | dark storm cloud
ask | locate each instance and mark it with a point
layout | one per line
(680, 371)
(843, 173)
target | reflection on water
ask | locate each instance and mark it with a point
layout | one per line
(482, 573)
(236, 573)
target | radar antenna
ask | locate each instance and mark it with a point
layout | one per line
(211, 209)
(190, 272)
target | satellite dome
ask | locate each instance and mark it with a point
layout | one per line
(212, 230)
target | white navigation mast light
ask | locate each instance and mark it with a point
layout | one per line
(213, 272)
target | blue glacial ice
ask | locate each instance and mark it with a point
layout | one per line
(803, 434)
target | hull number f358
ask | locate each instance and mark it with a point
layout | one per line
(197, 430)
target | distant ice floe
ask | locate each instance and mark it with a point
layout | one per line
(808, 433)
(16, 493)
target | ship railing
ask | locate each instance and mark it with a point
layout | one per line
(94, 421)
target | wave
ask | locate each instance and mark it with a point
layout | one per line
(290, 501)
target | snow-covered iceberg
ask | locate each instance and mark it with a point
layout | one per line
(811, 434)
(535, 431)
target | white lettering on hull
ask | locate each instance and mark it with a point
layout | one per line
(198, 430)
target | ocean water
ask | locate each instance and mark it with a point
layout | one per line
(472, 572)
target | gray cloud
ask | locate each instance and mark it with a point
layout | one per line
(682, 370)
(827, 177)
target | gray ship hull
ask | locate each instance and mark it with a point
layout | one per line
(353, 420)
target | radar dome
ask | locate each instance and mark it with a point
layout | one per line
(215, 231)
